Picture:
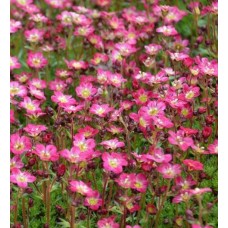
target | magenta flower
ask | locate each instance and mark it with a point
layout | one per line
(125, 180)
(113, 162)
(88, 131)
(62, 99)
(140, 183)
(34, 130)
(107, 222)
(100, 110)
(193, 165)
(112, 144)
(21, 178)
(152, 49)
(31, 106)
(86, 91)
(46, 153)
(74, 155)
(159, 156)
(169, 171)
(36, 60)
(179, 139)
(93, 201)
(19, 144)
(184, 183)
(16, 163)
(84, 145)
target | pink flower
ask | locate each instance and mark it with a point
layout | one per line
(169, 171)
(100, 110)
(125, 180)
(103, 76)
(83, 31)
(116, 80)
(93, 201)
(178, 139)
(34, 35)
(154, 108)
(193, 165)
(17, 90)
(74, 155)
(99, 58)
(38, 83)
(31, 106)
(185, 183)
(88, 131)
(38, 94)
(190, 92)
(84, 145)
(112, 144)
(140, 183)
(152, 49)
(199, 191)
(113, 162)
(114, 129)
(16, 163)
(36, 60)
(159, 156)
(34, 130)
(21, 178)
(77, 65)
(107, 222)
(46, 153)
(62, 99)
(15, 26)
(177, 56)
(213, 148)
(57, 85)
(14, 63)
(19, 144)
(80, 187)
(184, 196)
(86, 91)
(168, 30)
(143, 120)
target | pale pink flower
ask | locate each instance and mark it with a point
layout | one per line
(168, 30)
(21, 178)
(34, 35)
(169, 171)
(107, 222)
(16, 163)
(62, 99)
(100, 110)
(14, 63)
(84, 145)
(80, 187)
(112, 144)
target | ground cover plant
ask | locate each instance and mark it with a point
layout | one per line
(113, 113)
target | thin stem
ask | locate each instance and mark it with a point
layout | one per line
(24, 213)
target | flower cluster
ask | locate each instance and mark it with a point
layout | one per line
(113, 113)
